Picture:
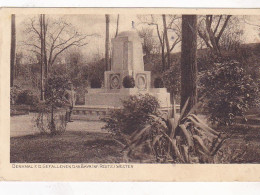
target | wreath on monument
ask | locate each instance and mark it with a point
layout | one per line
(128, 82)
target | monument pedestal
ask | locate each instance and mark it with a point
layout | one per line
(98, 102)
(127, 60)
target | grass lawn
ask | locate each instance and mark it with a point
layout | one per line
(93, 147)
(71, 147)
(244, 144)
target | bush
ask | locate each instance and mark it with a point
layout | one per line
(45, 122)
(158, 83)
(128, 82)
(96, 70)
(27, 97)
(172, 81)
(133, 116)
(228, 92)
(14, 93)
(51, 117)
(95, 83)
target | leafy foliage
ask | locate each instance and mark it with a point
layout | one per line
(55, 94)
(49, 117)
(96, 70)
(44, 122)
(25, 97)
(172, 80)
(133, 116)
(228, 91)
(128, 82)
(14, 92)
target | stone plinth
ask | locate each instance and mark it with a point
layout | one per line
(113, 99)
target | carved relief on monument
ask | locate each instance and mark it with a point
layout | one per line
(141, 80)
(114, 81)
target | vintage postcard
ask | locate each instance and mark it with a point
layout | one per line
(130, 94)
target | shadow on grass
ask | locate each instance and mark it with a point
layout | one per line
(70, 147)
(101, 147)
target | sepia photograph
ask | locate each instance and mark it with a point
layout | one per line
(142, 88)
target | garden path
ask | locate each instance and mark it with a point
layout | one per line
(24, 125)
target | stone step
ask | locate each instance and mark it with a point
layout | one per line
(95, 113)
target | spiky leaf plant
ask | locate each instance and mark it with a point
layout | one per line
(183, 139)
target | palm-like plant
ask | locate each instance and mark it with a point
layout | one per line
(183, 139)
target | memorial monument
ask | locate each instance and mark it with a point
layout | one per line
(127, 60)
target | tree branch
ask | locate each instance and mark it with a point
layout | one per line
(223, 28)
(204, 39)
(35, 30)
(32, 45)
(75, 43)
(216, 28)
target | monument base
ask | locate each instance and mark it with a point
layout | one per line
(102, 97)
(98, 102)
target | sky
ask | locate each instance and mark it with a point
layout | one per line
(90, 24)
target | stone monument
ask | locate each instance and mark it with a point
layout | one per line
(127, 60)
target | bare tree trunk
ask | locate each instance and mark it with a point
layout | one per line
(163, 56)
(166, 41)
(13, 45)
(42, 58)
(107, 43)
(189, 61)
(117, 25)
(44, 47)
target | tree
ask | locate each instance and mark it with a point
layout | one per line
(107, 42)
(247, 19)
(117, 25)
(232, 37)
(211, 29)
(49, 38)
(189, 61)
(56, 90)
(149, 43)
(13, 45)
(42, 58)
(57, 36)
(166, 40)
(173, 25)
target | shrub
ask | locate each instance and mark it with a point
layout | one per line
(171, 80)
(45, 123)
(50, 119)
(95, 83)
(96, 70)
(158, 83)
(228, 92)
(27, 97)
(128, 82)
(14, 92)
(133, 116)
